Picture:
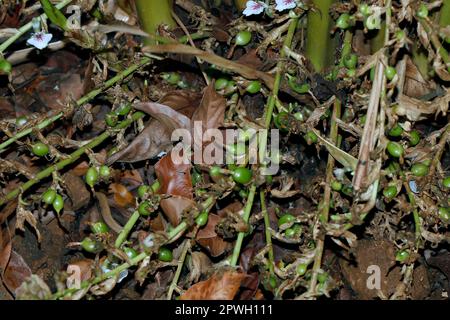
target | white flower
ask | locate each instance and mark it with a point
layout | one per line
(285, 4)
(40, 40)
(254, 7)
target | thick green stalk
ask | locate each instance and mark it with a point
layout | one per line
(346, 46)
(119, 77)
(378, 41)
(240, 4)
(444, 17)
(28, 27)
(71, 159)
(152, 14)
(245, 217)
(318, 44)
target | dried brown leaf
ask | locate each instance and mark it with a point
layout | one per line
(199, 265)
(175, 180)
(218, 287)
(5, 248)
(208, 238)
(23, 215)
(174, 207)
(210, 113)
(415, 85)
(16, 272)
(172, 112)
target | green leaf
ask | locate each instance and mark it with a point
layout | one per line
(347, 160)
(55, 16)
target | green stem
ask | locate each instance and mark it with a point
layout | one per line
(262, 196)
(280, 65)
(206, 206)
(126, 229)
(102, 277)
(179, 269)
(346, 46)
(416, 216)
(119, 77)
(318, 48)
(173, 234)
(71, 159)
(194, 36)
(323, 217)
(28, 27)
(132, 220)
(152, 14)
(245, 217)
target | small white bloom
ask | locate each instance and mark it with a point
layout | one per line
(148, 241)
(285, 4)
(339, 173)
(254, 7)
(40, 40)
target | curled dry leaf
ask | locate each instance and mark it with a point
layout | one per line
(5, 248)
(284, 191)
(208, 238)
(415, 85)
(415, 109)
(23, 215)
(172, 112)
(17, 271)
(105, 212)
(199, 264)
(218, 287)
(104, 287)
